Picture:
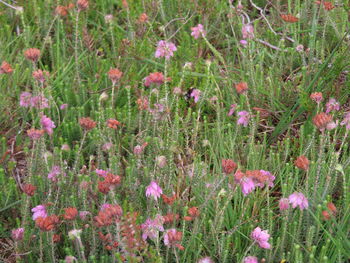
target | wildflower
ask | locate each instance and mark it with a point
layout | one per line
(195, 94)
(241, 87)
(302, 163)
(56, 238)
(108, 215)
(63, 106)
(35, 134)
(161, 161)
(87, 123)
(70, 213)
(154, 78)
(165, 49)
(321, 120)
(39, 211)
(17, 234)
(247, 184)
(29, 189)
(170, 218)
(61, 10)
(198, 31)
(25, 99)
(250, 259)
(247, 31)
(283, 204)
(299, 48)
(177, 91)
(326, 5)
(55, 171)
(138, 149)
(232, 109)
(114, 75)
(228, 166)
(143, 18)
(142, 103)
(298, 199)
(205, 260)
(154, 190)
(107, 146)
(316, 97)
(332, 105)
(113, 124)
(172, 238)
(70, 259)
(40, 75)
(346, 121)
(102, 173)
(243, 42)
(47, 124)
(108, 18)
(39, 102)
(74, 234)
(262, 177)
(261, 237)
(193, 211)
(150, 228)
(82, 5)
(332, 208)
(32, 54)
(332, 125)
(5, 68)
(169, 200)
(243, 119)
(83, 215)
(289, 18)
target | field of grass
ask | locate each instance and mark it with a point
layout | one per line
(174, 131)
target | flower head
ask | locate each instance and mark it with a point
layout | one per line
(87, 123)
(5, 68)
(114, 75)
(247, 183)
(40, 75)
(154, 78)
(165, 49)
(346, 121)
(205, 260)
(332, 105)
(248, 31)
(150, 228)
(243, 119)
(172, 238)
(39, 102)
(17, 234)
(32, 54)
(55, 171)
(298, 199)
(29, 189)
(228, 166)
(241, 87)
(195, 94)
(35, 134)
(39, 211)
(82, 5)
(154, 190)
(302, 163)
(25, 99)
(283, 204)
(261, 237)
(198, 31)
(232, 109)
(316, 97)
(47, 124)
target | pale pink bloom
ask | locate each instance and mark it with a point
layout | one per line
(298, 199)
(17, 234)
(346, 121)
(55, 171)
(243, 42)
(39, 211)
(331, 125)
(198, 31)
(39, 102)
(299, 48)
(232, 109)
(150, 228)
(332, 105)
(269, 181)
(154, 190)
(248, 31)
(283, 204)
(64, 106)
(243, 119)
(102, 173)
(195, 94)
(177, 91)
(70, 259)
(65, 147)
(138, 149)
(107, 146)
(261, 237)
(83, 215)
(172, 238)
(165, 49)
(250, 259)
(47, 124)
(25, 99)
(205, 260)
(247, 184)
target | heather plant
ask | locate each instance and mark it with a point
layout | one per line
(174, 131)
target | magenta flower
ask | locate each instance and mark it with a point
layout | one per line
(243, 119)
(64, 106)
(55, 171)
(154, 190)
(83, 215)
(47, 124)
(232, 109)
(17, 234)
(332, 105)
(205, 260)
(39, 211)
(102, 173)
(346, 121)
(198, 31)
(195, 94)
(105, 206)
(247, 31)
(247, 184)
(261, 237)
(298, 199)
(283, 204)
(25, 99)
(39, 102)
(165, 49)
(250, 259)
(150, 228)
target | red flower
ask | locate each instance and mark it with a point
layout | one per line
(168, 200)
(5, 68)
(70, 213)
(48, 223)
(241, 87)
(29, 189)
(228, 166)
(302, 163)
(289, 18)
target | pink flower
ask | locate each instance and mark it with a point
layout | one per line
(198, 31)
(248, 31)
(138, 149)
(299, 48)
(205, 260)
(243, 119)
(247, 184)
(55, 171)
(261, 237)
(151, 227)
(232, 109)
(64, 106)
(17, 234)
(83, 214)
(172, 238)
(47, 124)
(283, 204)
(39, 102)
(195, 94)
(154, 190)
(346, 121)
(25, 99)
(269, 180)
(105, 206)
(243, 42)
(298, 199)
(250, 259)
(102, 173)
(332, 105)
(154, 78)
(39, 211)
(332, 125)
(165, 49)
(107, 146)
